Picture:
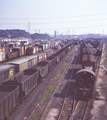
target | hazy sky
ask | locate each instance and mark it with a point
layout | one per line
(47, 16)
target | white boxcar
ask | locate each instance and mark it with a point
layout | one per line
(2, 56)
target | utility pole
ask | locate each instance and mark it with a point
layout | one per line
(68, 33)
(103, 33)
(29, 27)
(73, 33)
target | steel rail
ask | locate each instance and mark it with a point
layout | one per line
(56, 88)
(59, 117)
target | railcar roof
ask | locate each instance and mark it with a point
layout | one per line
(86, 70)
(40, 54)
(5, 67)
(23, 59)
(48, 50)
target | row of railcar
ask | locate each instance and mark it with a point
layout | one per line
(18, 86)
(24, 62)
(7, 53)
(85, 77)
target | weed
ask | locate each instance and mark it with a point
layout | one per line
(48, 93)
(38, 116)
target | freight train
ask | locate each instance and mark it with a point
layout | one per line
(10, 52)
(85, 77)
(18, 86)
(14, 66)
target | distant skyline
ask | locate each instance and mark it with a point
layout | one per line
(64, 17)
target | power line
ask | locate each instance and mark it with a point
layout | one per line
(59, 22)
(54, 17)
(73, 27)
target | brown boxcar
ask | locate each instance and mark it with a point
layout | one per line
(11, 55)
(32, 50)
(48, 52)
(41, 56)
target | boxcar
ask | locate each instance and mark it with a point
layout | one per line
(6, 71)
(32, 60)
(25, 48)
(41, 47)
(9, 99)
(48, 52)
(4, 49)
(20, 64)
(24, 63)
(11, 55)
(20, 50)
(2, 56)
(41, 56)
(32, 50)
(52, 44)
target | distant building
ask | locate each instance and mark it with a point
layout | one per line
(54, 34)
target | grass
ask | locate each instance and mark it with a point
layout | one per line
(38, 116)
(56, 78)
(50, 90)
(102, 89)
(31, 117)
(48, 93)
(103, 84)
(35, 106)
(62, 68)
(73, 49)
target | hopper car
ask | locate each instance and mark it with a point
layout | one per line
(20, 85)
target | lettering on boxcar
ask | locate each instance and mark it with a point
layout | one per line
(11, 72)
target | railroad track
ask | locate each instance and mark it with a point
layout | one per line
(81, 110)
(68, 101)
(67, 104)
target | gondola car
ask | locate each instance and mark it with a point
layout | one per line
(21, 84)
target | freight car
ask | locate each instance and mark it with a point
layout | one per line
(6, 71)
(24, 82)
(24, 63)
(9, 99)
(8, 53)
(29, 61)
(32, 50)
(85, 77)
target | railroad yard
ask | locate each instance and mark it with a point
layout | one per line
(67, 84)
